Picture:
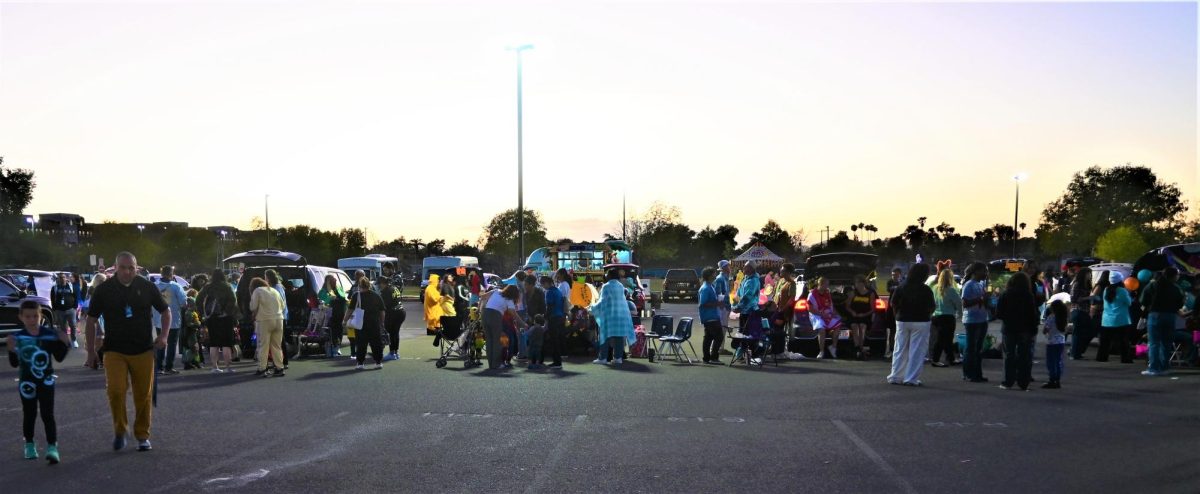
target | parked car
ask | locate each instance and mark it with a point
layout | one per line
(301, 281)
(840, 268)
(1125, 269)
(681, 284)
(31, 281)
(10, 302)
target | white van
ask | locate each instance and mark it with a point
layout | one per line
(439, 264)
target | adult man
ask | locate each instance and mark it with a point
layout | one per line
(1162, 300)
(556, 322)
(172, 293)
(748, 292)
(721, 286)
(710, 317)
(975, 321)
(784, 295)
(63, 301)
(126, 301)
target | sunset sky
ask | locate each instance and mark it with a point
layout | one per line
(401, 117)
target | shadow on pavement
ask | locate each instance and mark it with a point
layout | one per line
(326, 375)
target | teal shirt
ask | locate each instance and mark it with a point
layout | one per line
(948, 305)
(1116, 313)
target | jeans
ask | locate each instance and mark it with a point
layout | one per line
(1160, 329)
(66, 320)
(1018, 366)
(493, 323)
(908, 358)
(1082, 337)
(614, 343)
(1121, 336)
(121, 370)
(714, 336)
(1054, 361)
(29, 412)
(165, 359)
(973, 357)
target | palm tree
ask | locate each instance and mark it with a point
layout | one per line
(921, 220)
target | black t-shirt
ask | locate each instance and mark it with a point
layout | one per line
(127, 311)
(372, 304)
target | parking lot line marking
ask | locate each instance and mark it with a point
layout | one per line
(556, 456)
(870, 452)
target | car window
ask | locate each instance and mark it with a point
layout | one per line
(7, 289)
(343, 282)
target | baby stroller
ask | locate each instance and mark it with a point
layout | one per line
(458, 340)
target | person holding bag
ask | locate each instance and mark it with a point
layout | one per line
(368, 314)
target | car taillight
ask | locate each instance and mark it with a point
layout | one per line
(312, 302)
(802, 305)
(881, 304)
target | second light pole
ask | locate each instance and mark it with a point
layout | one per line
(520, 165)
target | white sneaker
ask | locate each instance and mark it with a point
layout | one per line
(619, 361)
(756, 361)
(229, 370)
(833, 352)
(378, 366)
(359, 367)
(600, 361)
(796, 356)
(821, 355)
(1149, 373)
(74, 344)
(217, 370)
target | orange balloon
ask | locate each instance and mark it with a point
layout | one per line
(1131, 284)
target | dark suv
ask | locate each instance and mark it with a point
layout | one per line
(680, 284)
(10, 303)
(301, 281)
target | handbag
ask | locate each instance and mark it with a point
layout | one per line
(357, 315)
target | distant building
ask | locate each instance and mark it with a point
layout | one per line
(230, 232)
(68, 227)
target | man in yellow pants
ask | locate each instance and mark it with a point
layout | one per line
(125, 302)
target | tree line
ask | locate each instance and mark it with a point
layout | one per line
(1114, 213)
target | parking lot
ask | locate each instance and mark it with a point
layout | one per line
(828, 425)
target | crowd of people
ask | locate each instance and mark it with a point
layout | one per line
(136, 328)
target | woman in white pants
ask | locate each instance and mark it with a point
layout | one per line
(913, 303)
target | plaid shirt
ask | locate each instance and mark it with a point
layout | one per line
(612, 312)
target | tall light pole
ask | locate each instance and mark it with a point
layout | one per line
(1017, 179)
(520, 164)
(267, 215)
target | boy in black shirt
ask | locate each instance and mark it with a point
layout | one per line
(30, 350)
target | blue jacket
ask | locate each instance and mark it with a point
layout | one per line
(1116, 313)
(175, 298)
(555, 304)
(721, 287)
(708, 295)
(748, 293)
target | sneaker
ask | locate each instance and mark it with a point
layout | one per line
(51, 454)
(337, 353)
(216, 370)
(1051, 385)
(914, 383)
(980, 380)
(833, 352)
(31, 452)
(821, 355)
(262, 373)
(171, 372)
(1005, 387)
(1151, 373)
(161, 372)
(229, 370)
(74, 344)
(940, 364)
(144, 445)
(756, 361)
(277, 373)
(619, 361)
(600, 361)
(359, 367)
(119, 443)
(554, 366)
(378, 366)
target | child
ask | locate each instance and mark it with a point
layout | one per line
(535, 334)
(1055, 329)
(30, 350)
(188, 338)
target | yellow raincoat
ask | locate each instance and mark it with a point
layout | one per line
(433, 303)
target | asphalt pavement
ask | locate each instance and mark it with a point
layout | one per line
(804, 426)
